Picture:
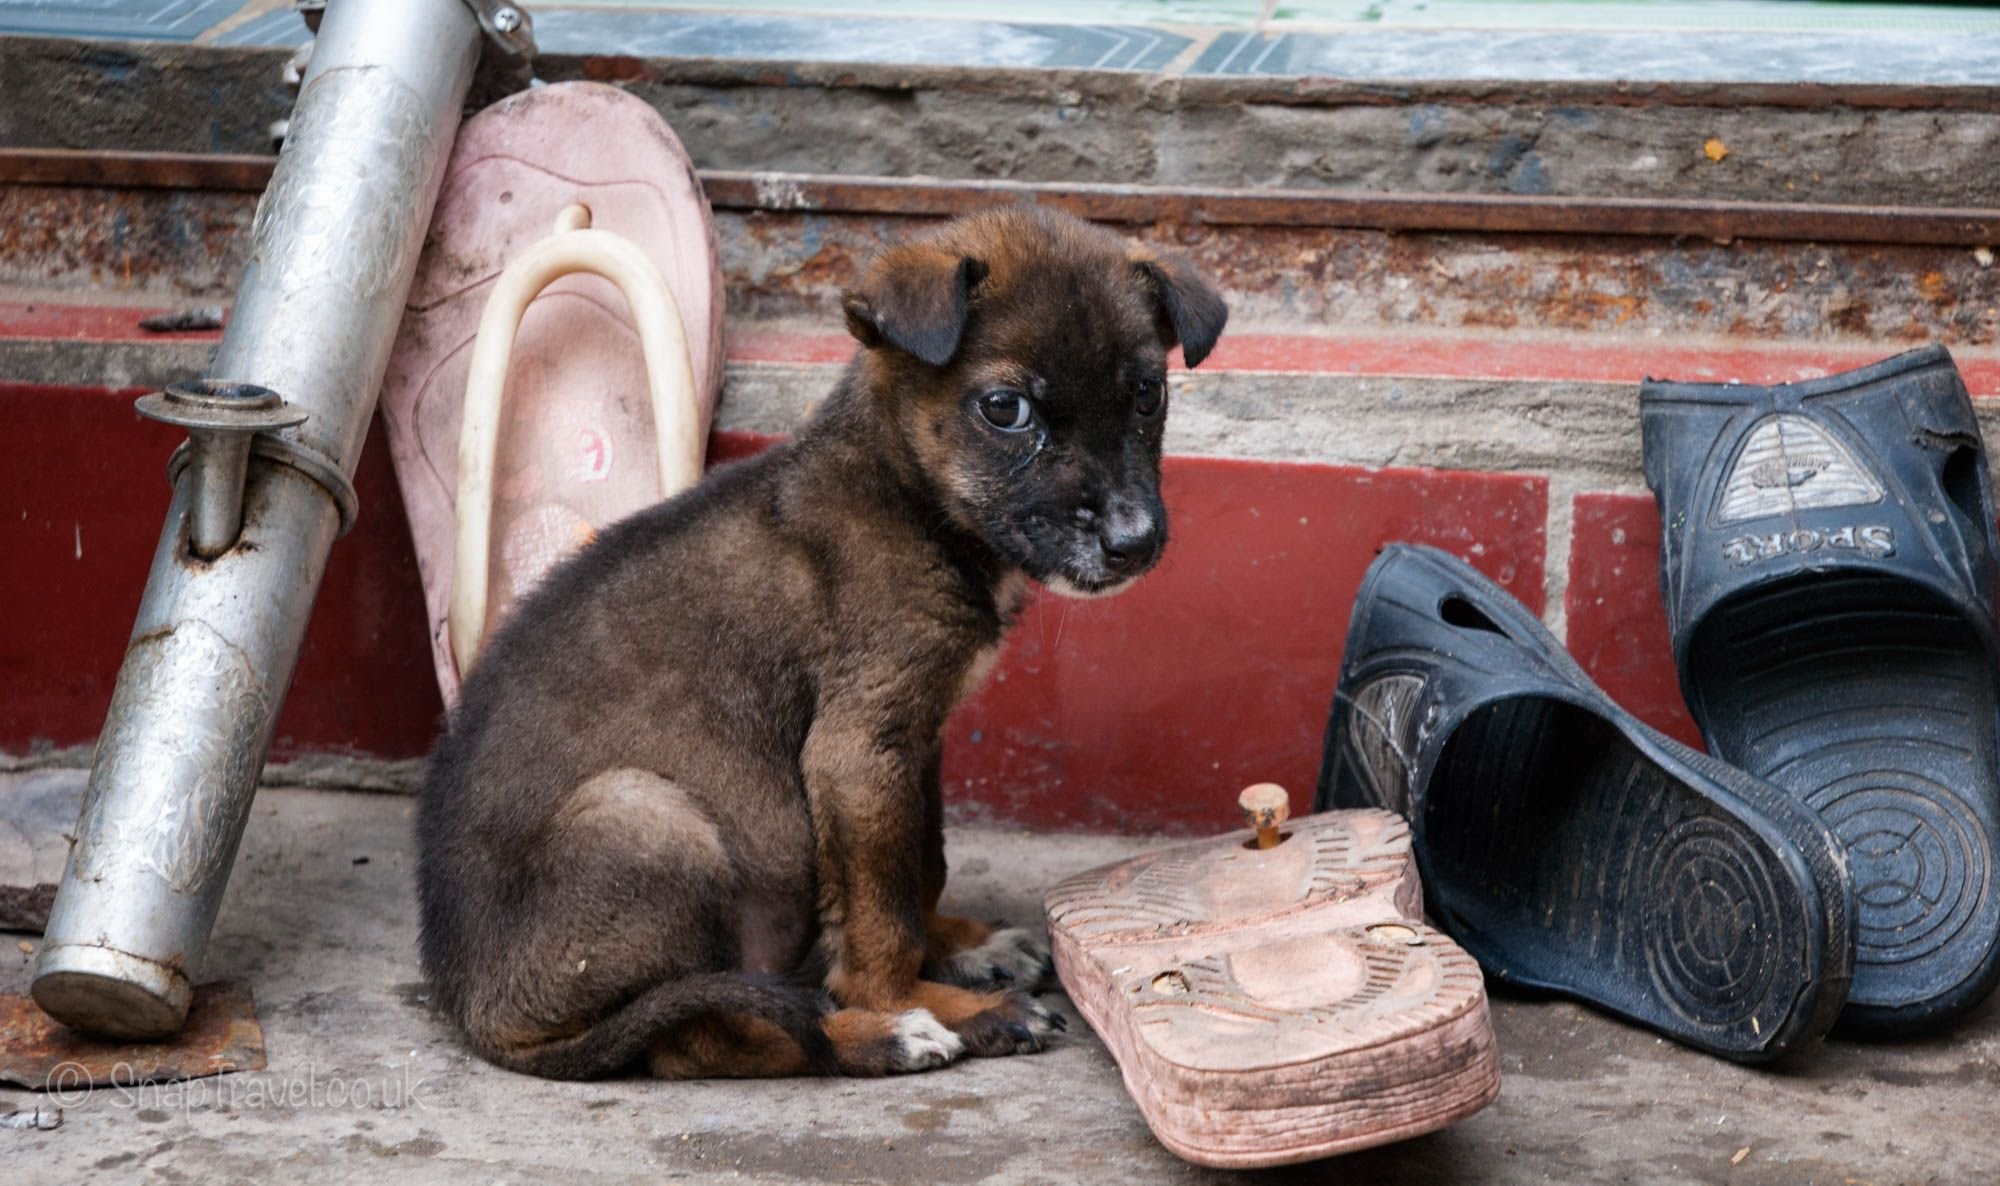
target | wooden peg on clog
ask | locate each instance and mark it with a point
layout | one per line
(1265, 806)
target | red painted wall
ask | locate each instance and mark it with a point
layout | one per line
(1144, 712)
(81, 502)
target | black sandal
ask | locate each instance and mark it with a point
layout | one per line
(1567, 846)
(1829, 567)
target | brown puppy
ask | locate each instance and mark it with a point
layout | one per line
(686, 812)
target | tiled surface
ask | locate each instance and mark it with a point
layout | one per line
(1802, 16)
(1154, 12)
(282, 27)
(175, 20)
(1844, 58)
(860, 39)
(1617, 624)
(1778, 41)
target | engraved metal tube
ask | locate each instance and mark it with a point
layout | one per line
(336, 241)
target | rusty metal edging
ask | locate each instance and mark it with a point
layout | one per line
(1140, 204)
(1484, 213)
(135, 170)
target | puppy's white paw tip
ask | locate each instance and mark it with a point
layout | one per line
(923, 1042)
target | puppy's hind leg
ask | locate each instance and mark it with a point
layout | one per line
(615, 950)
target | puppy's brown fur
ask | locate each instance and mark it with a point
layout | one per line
(686, 813)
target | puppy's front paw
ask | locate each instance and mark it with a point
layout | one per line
(1011, 958)
(919, 1042)
(1018, 1025)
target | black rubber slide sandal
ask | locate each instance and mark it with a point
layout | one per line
(1567, 846)
(1828, 564)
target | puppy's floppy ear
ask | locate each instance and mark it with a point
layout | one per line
(914, 298)
(1189, 308)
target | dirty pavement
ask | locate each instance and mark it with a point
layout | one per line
(363, 1082)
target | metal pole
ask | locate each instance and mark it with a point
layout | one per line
(336, 242)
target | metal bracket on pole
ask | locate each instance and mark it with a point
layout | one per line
(508, 24)
(508, 65)
(220, 419)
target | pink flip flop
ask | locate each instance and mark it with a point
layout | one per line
(1272, 996)
(611, 379)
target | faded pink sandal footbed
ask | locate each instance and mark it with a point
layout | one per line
(577, 438)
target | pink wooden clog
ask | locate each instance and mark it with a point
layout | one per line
(1274, 1005)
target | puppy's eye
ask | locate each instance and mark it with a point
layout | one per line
(1006, 410)
(1152, 393)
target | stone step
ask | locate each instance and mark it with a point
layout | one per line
(1858, 121)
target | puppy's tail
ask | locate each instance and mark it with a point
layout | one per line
(630, 1033)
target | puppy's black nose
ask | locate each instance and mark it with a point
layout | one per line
(1130, 544)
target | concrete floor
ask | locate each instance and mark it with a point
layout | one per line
(328, 944)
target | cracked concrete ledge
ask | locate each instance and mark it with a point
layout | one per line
(1586, 434)
(1586, 431)
(1925, 146)
(1579, 146)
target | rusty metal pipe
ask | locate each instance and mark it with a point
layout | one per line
(335, 247)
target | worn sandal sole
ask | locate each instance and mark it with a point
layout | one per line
(1829, 573)
(1278, 1005)
(1907, 785)
(1567, 846)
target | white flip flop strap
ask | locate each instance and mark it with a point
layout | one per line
(669, 378)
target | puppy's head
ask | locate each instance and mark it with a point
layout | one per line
(1022, 354)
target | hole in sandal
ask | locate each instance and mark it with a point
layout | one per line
(1252, 845)
(1457, 611)
(1959, 476)
(1394, 935)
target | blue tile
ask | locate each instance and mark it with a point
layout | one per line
(866, 39)
(149, 20)
(1502, 55)
(1221, 55)
(1110, 47)
(283, 27)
